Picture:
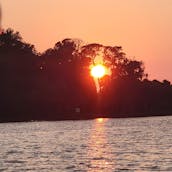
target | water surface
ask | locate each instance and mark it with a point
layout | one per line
(109, 145)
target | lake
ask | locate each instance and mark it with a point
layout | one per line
(100, 145)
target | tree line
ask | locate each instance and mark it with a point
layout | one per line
(56, 84)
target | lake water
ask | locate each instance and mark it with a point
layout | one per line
(108, 145)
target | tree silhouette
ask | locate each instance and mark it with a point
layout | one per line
(17, 73)
(52, 85)
(65, 70)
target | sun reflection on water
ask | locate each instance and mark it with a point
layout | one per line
(99, 150)
(99, 119)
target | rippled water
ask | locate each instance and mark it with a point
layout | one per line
(135, 144)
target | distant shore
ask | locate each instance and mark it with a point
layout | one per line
(88, 117)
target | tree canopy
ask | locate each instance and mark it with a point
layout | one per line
(53, 84)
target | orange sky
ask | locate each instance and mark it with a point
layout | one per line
(142, 27)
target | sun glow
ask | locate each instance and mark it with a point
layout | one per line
(98, 71)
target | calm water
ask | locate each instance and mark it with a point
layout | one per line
(135, 144)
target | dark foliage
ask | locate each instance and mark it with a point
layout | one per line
(57, 84)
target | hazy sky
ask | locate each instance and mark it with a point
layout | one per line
(142, 27)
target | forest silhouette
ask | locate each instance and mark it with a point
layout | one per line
(57, 85)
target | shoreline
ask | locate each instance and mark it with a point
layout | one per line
(117, 116)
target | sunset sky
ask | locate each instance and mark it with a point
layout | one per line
(142, 27)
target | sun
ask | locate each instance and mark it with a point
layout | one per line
(98, 71)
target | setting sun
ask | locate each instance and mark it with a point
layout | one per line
(98, 71)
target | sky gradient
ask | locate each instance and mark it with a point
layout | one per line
(142, 27)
